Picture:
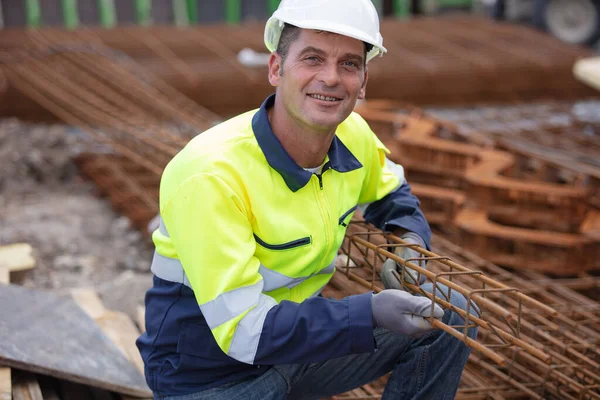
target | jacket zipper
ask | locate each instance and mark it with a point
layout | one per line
(283, 246)
(320, 194)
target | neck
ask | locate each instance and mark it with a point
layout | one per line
(307, 147)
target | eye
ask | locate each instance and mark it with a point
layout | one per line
(312, 59)
(350, 64)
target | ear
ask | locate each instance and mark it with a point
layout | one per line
(274, 68)
(363, 89)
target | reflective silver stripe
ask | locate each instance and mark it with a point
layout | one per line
(247, 333)
(231, 304)
(275, 280)
(398, 170)
(328, 269)
(169, 269)
(162, 228)
(153, 224)
(218, 311)
(318, 292)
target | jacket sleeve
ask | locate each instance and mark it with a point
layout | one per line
(209, 225)
(386, 200)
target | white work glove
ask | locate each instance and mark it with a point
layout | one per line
(400, 311)
(406, 253)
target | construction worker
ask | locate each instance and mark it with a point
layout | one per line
(252, 214)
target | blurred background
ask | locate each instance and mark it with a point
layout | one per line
(574, 21)
(492, 107)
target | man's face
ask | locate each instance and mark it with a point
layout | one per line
(322, 77)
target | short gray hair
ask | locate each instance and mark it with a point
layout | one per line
(289, 34)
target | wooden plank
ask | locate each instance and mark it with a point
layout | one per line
(27, 387)
(89, 301)
(5, 384)
(123, 332)
(16, 257)
(4, 275)
(47, 334)
(117, 326)
(587, 70)
(141, 318)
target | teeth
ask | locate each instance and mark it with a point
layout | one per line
(326, 98)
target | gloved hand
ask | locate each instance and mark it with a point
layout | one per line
(406, 253)
(400, 311)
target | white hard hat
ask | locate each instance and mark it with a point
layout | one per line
(357, 19)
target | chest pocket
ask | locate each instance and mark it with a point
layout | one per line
(346, 217)
(284, 246)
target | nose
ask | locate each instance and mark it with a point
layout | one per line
(330, 75)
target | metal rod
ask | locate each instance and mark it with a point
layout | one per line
(481, 301)
(526, 299)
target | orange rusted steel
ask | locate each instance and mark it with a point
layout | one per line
(528, 224)
(466, 61)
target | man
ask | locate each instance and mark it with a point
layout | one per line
(253, 212)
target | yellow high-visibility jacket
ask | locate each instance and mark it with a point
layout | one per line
(247, 241)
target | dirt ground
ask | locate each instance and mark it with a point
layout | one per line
(78, 240)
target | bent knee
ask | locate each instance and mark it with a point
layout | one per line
(458, 300)
(453, 297)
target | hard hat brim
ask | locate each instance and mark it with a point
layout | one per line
(326, 26)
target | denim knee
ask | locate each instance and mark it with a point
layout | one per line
(456, 299)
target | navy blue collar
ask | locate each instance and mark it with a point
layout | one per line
(296, 177)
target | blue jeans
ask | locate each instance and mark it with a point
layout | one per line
(429, 367)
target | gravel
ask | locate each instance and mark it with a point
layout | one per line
(78, 240)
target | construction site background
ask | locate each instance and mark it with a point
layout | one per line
(498, 137)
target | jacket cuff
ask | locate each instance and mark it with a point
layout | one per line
(361, 323)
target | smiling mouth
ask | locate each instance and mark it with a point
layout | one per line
(324, 98)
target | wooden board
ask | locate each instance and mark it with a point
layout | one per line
(26, 387)
(141, 318)
(89, 301)
(16, 257)
(122, 333)
(5, 384)
(51, 335)
(587, 70)
(4, 275)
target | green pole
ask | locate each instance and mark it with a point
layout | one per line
(233, 11)
(272, 6)
(70, 13)
(34, 13)
(143, 12)
(106, 9)
(180, 12)
(402, 8)
(192, 11)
